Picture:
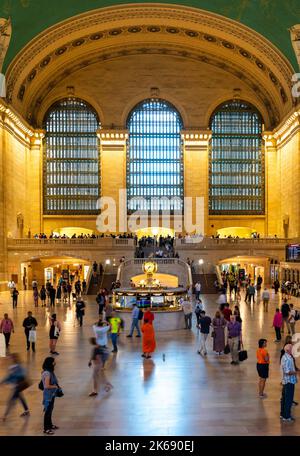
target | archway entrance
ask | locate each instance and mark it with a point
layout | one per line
(247, 266)
(153, 231)
(234, 231)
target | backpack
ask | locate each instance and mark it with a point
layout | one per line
(297, 315)
(141, 315)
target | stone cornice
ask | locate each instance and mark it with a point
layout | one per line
(284, 132)
(112, 137)
(196, 138)
(13, 122)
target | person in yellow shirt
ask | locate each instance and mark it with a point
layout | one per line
(115, 323)
(263, 361)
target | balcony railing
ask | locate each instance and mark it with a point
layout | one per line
(208, 242)
(86, 242)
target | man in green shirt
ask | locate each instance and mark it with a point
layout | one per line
(115, 323)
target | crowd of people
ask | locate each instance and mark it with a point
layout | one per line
(83, 236)
(225, 326)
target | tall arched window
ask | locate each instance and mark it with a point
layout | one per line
(236, 160)
(155, 157)
(71, 159)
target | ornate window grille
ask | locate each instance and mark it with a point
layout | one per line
(71, 158)
(155, 158)
(236, 162)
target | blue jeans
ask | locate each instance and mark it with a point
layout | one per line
(114, 339)
(287, 398)
(135, 324)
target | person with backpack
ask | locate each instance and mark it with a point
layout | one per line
(43, 295)
(17, 377)
(136, 314)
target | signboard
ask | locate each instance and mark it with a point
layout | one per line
(293, 252)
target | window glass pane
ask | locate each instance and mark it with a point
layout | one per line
(155, 156)
(71, 162)
(236, 162)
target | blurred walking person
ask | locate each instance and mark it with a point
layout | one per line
(17, 376)
(99, 356)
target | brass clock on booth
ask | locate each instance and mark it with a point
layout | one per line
(149, 267)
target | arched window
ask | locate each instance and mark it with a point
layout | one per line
(155, 157)
(236, 160)
(71, 158)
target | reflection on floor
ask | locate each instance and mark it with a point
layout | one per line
(178, 392)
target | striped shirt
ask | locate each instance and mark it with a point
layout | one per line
(288, 365)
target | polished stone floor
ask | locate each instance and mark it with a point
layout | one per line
(178, 392)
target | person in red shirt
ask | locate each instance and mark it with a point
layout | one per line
(227, 312)
(6, 327)
(149, 316)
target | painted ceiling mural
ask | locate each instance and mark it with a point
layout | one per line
(271, 18)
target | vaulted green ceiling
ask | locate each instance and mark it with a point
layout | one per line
(271, 18)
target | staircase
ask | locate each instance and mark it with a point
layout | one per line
(107, 280)
(207, 282)
(94, 284)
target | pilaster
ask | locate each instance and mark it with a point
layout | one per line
(196, 151)
(113, 169)
(272, 186)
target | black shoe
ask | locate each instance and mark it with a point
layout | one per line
(114, 351)
(137, 336)
(295, 403)
(129, 335)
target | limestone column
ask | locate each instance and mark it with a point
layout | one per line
(273, 224)
(196, 178)
(34, 219)
(113, 172)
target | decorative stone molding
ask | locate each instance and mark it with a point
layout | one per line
(196, 138)
(196, 28)
(266, 97)
(112, 137)
(284, 132)
(13, 122)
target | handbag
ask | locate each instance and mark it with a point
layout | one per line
(243, 355)
(56, 331)
(32, 335)
(226, 349)
(59, 392)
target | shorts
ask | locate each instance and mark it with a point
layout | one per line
(263, 370)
